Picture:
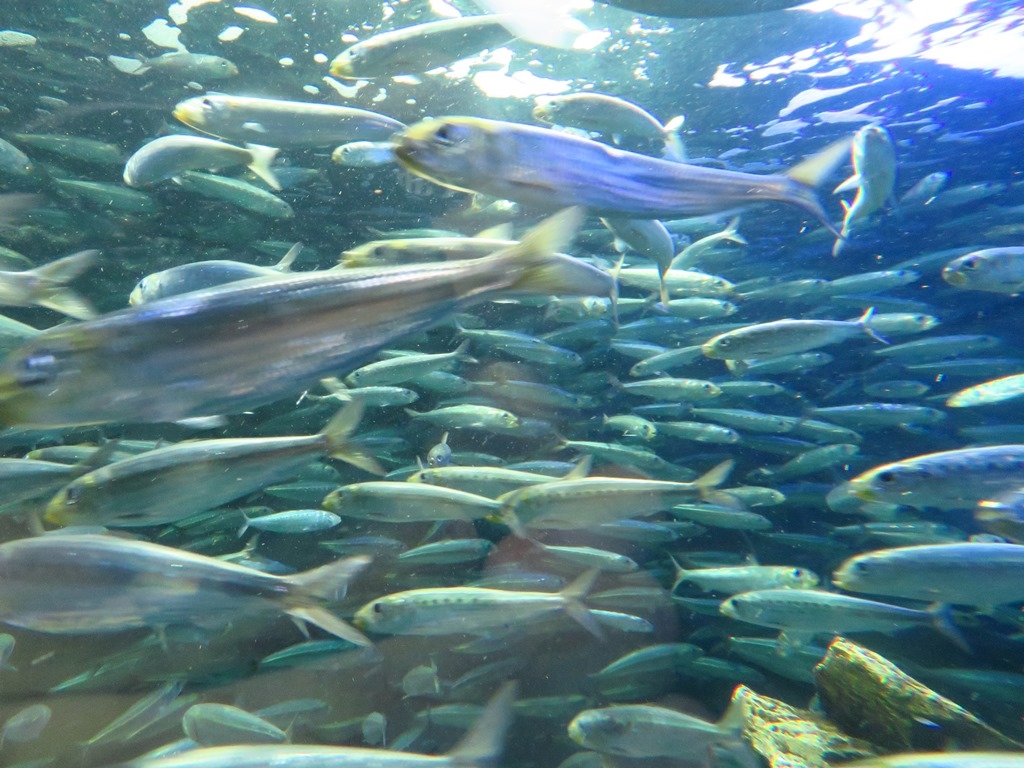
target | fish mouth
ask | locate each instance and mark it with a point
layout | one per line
(951, 276)
(342, 67)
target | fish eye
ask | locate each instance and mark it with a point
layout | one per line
(970, 264)
(72, 494)
(449, 134)
(725, 342)
(887, 477)
(36, 369)
(206, 102)
(378, 607)
(797, 573)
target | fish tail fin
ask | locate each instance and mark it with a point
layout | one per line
(675, 148)
(707, 485)
(483, 743)
(732, 232)
(942, 620)
(328, 622)
(573, 596)
(461, 352)
(285, 264)
(54, 276)
(130, 65)
(68, 268)
(541, 270)
(336, 436)
(328, 582)
(67, 302)
(811, 173)
(864, 321)
(261, 158)
(336, 387)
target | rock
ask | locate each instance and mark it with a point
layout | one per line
(787, 737)
(870, 697)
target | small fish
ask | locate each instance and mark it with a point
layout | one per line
(236, 192)
(365, 154)
(420, 48)
(800, 613)
(472, 610)
(619, 119)
(647, 731)
(176, 64)
(282, 123)
(292, 521)
(874, 176)
(140, 490)
(213, 725)
(441, 454)
(26, 724)
(169, 156)
(199, 275)
(986, 393)
(785, 337)
(481, 746)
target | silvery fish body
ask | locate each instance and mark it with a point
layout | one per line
(549, 170)
(91, 583)
(281, 123)
(252, 342)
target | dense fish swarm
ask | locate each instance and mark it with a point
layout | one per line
(473, 383)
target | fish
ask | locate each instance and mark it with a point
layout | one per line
(187, 356)
(988, 392)
(647, 731)
(786, 337)
(176, 64)
(618, 118)
(281, 123)
(168, 156)
(549, 170)
(472, 610)
(139, 491)
(91, 583)
(236, 192)
(963, 573)
(957, 479)
(874, 177)
(994, 270)
(364, 154)
(481, 746)
(198, 275)
(421, 47)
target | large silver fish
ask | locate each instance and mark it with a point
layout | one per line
(88, 583)
(249, 343)
(550, 170)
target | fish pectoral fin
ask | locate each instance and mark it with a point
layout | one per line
(328, 622)
(851, 184)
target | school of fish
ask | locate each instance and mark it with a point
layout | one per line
(371, 423)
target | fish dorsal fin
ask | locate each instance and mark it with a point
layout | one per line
(497, 232)
(285, 264)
